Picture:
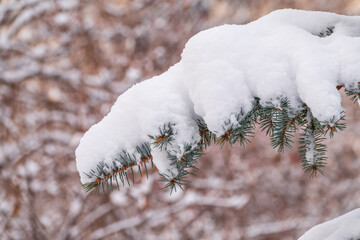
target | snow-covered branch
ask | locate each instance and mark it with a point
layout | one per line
(282, 71)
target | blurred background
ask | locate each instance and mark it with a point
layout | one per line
(63, 63)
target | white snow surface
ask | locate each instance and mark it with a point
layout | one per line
(345, 227)
(221, 71)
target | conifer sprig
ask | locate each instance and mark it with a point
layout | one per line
(122, 166)
(188, 156)
(279, 122)
(312, 152)
(312, 149)
(332, 127)
(354, 92)
(246, 125)
(165, 136)
(172, 182)
(206, 136)
(242, 129)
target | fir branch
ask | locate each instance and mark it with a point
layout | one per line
(277, 123)
(120, 169)
(332, 127)
(205, 134)
(189, 156)
(312, 152)
(242, 134)
(353, 91)
(312, 149)
(246, 127)
(266, 118)
(224, 138)
(267, 124)
(282, 135)
(174, 181)
(314, 124)
(165, 136)
(241, 129)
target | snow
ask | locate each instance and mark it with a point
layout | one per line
(26, 16)
(119, 199)
(236, 202)
(278, 55)
(286, 54)
(133, 74)
(68, 4)
(62, 18)
(344, 227)
(29, 169)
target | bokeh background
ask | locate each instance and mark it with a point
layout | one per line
(63, 63)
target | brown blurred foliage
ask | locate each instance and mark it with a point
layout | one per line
(64, 62)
